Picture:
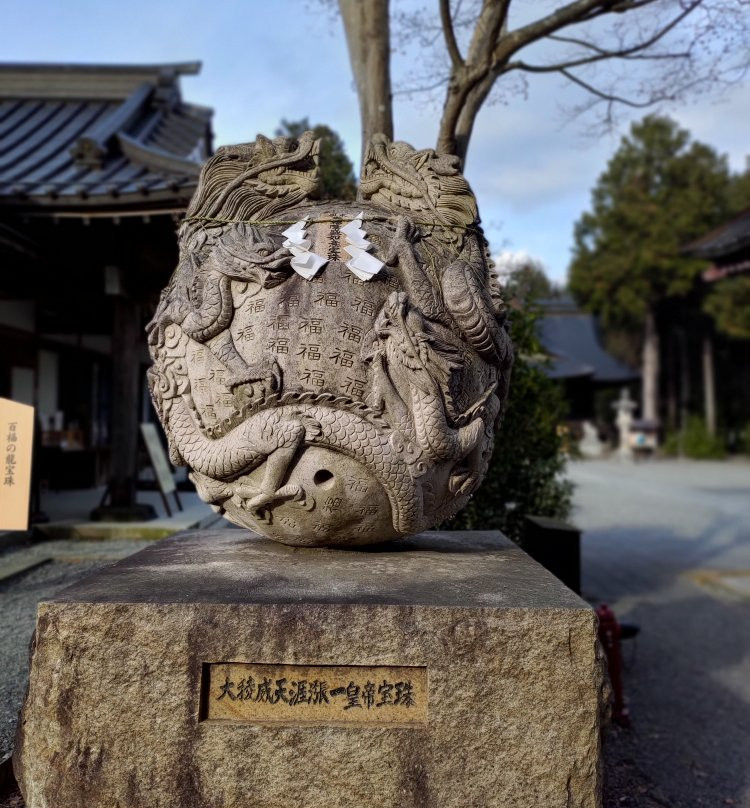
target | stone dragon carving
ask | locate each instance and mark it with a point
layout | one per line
(331, 409)
(413, 363)
(199, 297)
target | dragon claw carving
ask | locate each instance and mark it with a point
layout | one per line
(262, 503)
(270, 378)
(407, 234)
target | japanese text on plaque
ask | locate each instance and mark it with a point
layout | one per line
(303, 693)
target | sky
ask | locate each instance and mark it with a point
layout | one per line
(531, 167)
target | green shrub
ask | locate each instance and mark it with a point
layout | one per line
(671, 445)
(695, 442)
(526, 470)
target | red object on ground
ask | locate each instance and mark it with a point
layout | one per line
(609, 636)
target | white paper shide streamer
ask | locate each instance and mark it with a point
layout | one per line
(361, 263)
(307, 263)
(304, 262)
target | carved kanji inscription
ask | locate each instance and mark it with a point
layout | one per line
(349, 694)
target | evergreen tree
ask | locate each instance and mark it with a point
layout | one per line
(660, 191)
(728, 301)
(526, 281)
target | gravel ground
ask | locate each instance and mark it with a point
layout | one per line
(667, 545)
(19, 596)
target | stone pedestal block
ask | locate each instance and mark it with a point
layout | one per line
(221, 670)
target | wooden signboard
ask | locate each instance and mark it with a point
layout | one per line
(160, 464)
(16, 443)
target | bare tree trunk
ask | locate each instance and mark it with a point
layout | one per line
(471, 78)
(368, 39)
(459, 144)
(709, 384)
(650, 369)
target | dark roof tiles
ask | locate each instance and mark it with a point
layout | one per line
(83, 132)
(570, 338)
(725, 240)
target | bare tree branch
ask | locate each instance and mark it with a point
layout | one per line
(570, 40)
(605, 96)
(425, 88)
(560, 19)
(449, 34)
(490, 49)
(559, 66)
(489, 26)
(618, 8)
(464, 79)
(574, 12)
(641, 46)
(689, 47)
(608, 54)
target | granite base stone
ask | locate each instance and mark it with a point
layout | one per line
(448, 670)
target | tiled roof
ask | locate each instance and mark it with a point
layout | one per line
(570, 338)
(83, 135)
(724, 241)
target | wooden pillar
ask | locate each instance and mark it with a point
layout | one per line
(126, 354)
(650, 369)
(671, 367)
(709, 384)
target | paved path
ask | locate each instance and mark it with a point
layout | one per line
(667, 545)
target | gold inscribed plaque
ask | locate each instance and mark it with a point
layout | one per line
(314, 694)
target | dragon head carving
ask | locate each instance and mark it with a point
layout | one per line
(401, 178)
(257, 180)
(414, 350)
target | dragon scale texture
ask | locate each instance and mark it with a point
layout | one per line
(249, 445)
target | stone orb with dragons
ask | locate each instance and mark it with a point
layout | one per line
(332, 372)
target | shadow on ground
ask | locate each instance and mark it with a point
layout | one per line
(687, 675)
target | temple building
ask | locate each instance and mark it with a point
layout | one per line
(97, 165)
(570, 338)
(725, 367)
(727, 247)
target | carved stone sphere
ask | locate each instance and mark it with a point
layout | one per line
(332, 372)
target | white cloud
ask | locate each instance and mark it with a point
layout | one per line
(509, 261)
